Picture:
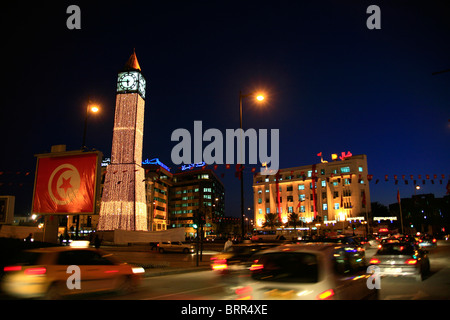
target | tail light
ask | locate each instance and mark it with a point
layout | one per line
(220, 264)
(434, 240)
(326, 294)
(12, 268)
(411, 261)
(374, 261)
(255, 267)
(35, 271)
(244, 293)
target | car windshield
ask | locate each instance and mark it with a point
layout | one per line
(292, 267)
(396, 249)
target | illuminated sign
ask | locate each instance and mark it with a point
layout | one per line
(106, 162)
(157, 162)
(343, 156)
(192, 166)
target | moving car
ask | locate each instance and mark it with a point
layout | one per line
(427, 241)
(45, 273)
(176, 246)
(314, 271)
(238, 257)
(356, 251)
(401, 259)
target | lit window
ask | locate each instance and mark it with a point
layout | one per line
(301, 187)
(345, 169)
(336, 206)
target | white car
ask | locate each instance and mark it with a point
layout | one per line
(310, 271)
(44, 273)
(176, 246)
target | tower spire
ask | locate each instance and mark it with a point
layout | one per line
(132, 63)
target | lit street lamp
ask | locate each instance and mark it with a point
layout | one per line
(91, 108)
(259, 97)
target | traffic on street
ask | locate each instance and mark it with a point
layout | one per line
(320, 270)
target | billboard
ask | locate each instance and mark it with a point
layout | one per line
(66, 183)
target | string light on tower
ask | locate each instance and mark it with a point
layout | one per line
(123, 204)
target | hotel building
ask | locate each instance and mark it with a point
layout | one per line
(327, 193)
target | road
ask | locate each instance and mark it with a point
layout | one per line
(204, 285)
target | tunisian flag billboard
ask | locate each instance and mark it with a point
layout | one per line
(66, 183)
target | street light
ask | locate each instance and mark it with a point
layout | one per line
(258, 97)
(91, 108)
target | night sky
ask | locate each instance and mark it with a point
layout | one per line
(332, 84)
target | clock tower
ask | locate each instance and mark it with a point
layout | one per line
(123, 205)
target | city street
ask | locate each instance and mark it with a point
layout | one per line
(204, 285)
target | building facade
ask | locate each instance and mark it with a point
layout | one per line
(330, 194)
(158, 181)
(196, 191)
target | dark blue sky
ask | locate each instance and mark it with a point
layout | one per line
(333, 85)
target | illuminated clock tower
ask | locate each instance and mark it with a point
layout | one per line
(123, 204)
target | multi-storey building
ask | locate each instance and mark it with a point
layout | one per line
(158, 180)
(325, 193)
(193, 191)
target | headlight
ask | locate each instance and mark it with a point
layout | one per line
(137, 270)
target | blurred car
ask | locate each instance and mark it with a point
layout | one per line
(356, 250)
(44, 273)
(401, 259)
(238, 257)
(176, 246)
(398, 239)
(428, 242)
(314, 271)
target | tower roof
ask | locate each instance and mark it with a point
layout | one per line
(132, 63)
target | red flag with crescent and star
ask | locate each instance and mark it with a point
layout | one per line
(65, 184)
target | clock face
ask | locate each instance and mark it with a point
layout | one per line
(142, 86)
(127, 81)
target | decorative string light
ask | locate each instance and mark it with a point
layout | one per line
(123, 204)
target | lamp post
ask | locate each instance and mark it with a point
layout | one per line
(91, 108)
(260, 98)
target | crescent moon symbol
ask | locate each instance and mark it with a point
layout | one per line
(54, 182)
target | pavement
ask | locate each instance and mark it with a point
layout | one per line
(157, 264)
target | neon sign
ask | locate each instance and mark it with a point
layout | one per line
(191, 166)
(343, 156)
(156, 162)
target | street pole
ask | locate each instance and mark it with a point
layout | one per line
(240, 171)
(400, 207)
